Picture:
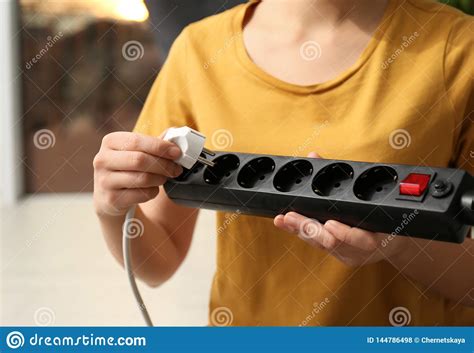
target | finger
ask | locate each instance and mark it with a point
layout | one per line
(311, 230)
(127, 197)
(142, 162)
(129, 141)
(314, 155)
(131, 180)
(279, 222)
(355, 237)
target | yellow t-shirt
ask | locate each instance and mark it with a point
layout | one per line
(408, 99)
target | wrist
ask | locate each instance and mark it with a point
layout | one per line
(108, 212)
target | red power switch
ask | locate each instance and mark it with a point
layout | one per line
(414, 184)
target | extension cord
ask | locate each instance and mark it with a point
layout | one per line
(424, 202)
(431, 203)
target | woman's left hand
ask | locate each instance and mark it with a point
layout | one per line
(352, 246)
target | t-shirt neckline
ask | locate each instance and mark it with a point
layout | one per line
(245, 60)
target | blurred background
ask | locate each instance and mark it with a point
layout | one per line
(72, 71)
(95, 63)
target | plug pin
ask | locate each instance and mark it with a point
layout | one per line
(209, 152)
(205, 161)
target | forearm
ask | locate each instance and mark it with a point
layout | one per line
(154, 255)
(445, 268)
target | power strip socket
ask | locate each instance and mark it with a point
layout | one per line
(423, 202)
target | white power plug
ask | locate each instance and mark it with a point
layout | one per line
(191, 144)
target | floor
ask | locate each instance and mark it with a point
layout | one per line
(56, 270)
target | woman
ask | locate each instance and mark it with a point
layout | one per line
(339, 79)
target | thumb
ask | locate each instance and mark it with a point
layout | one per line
(314, 155)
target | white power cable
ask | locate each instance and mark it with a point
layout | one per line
(127, 261)
(191, 144)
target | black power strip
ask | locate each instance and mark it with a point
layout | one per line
(424, 202)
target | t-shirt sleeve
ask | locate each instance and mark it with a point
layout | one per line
(168, 102)
(459, 76)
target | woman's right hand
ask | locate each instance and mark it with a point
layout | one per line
(129, 168)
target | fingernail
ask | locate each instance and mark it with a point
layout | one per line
(174, 152)
(331, 226)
